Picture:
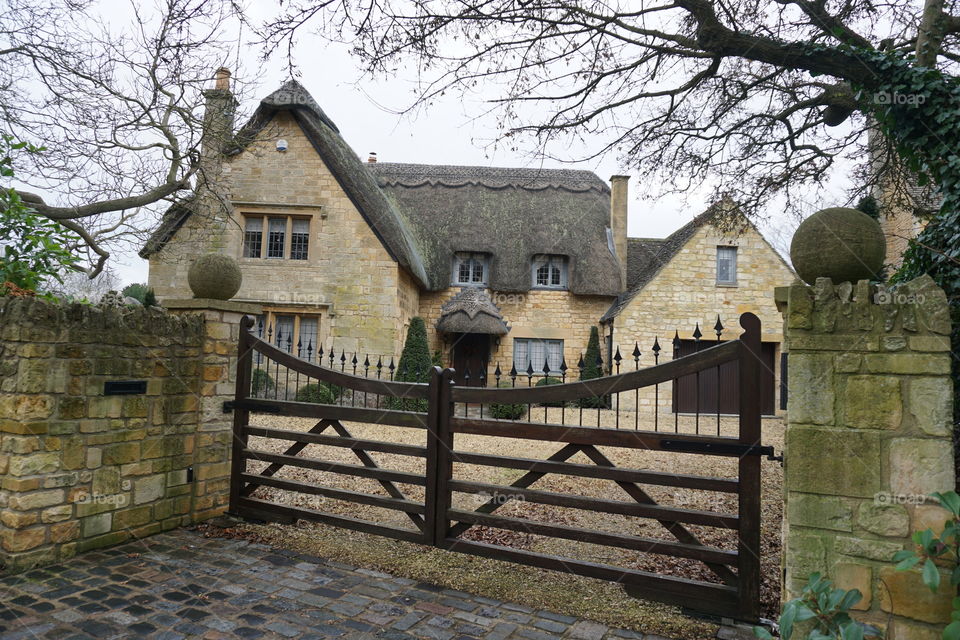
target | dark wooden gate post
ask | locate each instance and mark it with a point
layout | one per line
(750, 364)
(238, 464)
(439, 461)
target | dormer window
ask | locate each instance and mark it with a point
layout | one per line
(550, 272)
(470, 269)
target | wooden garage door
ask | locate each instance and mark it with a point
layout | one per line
(686, 398)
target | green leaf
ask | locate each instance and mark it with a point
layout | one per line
(949, 500)
(952, 631)
(762, 633)
(908, 563)
(787, 619)
(931, 575)
(851, 598)
(851, 631)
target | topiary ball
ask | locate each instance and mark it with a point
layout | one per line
(214, 276)
(842, 244)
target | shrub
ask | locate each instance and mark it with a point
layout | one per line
(544, 382)
(318, 393)
(261, 383)
(414, 366)
(592, 370)
(507, 411)
(142, 293)
(825, 611)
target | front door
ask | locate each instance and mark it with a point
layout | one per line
(471, 352)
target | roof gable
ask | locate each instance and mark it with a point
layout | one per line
(647, 257)
(344, 164)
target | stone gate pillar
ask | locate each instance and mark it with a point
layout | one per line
(868, 437)
(218, 375)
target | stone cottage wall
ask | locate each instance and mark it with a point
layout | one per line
(80, 469)
(349, 280)
(686, 292)
(868, 437)
(545, 314)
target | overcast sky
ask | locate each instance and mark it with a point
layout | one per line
(452, 131)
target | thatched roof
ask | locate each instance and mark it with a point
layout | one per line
(385, 221)
(510, 214)
(471, 311)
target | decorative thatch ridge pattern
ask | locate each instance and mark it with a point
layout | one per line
(419, 175)
(471, 311)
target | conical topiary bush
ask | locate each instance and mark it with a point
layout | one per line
(415, 364)
(592, 369)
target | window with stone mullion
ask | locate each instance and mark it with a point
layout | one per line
(276, 237)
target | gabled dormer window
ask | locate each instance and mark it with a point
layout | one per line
(470, 269)
(550, 272)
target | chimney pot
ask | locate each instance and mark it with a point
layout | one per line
(373, 157)
(222, 78)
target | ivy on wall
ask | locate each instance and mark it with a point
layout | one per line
(920, 115)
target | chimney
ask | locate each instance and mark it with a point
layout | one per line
(373, 157)
(218, 117)
(618, 221)
(222, 78)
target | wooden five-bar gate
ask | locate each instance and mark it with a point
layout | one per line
(443, 411)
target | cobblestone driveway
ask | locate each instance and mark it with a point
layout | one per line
(181, 585)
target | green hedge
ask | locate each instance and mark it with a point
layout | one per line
(319, 393)
(544, 382)
(507, 411)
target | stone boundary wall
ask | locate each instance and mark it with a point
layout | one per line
(868, 437)
(80, 469)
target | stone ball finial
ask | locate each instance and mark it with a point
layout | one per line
(215, 276)
(845, 245)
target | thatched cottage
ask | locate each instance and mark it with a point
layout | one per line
(506, 266)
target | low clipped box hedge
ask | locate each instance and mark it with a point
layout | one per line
(507, 410)
(261, 383)
(318, 393)
(545, 382)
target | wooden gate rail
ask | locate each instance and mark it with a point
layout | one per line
(338, 441)
(438, 523)
(598, 436)
(606, 473)
(702, 596)
(339, 378)
(332, 412)
(262, 509)
(637, 543)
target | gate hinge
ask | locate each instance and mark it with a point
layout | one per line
(719, 448)
(228, 406)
